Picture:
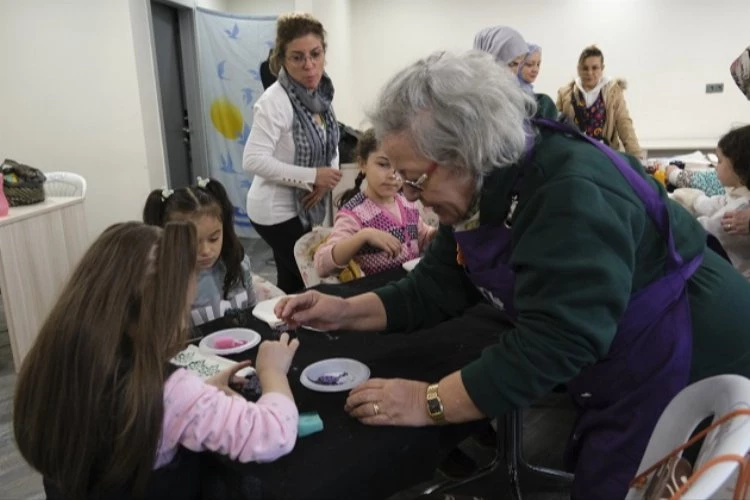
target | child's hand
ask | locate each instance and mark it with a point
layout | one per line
(275, 356)
(222, 379)
(382, 240)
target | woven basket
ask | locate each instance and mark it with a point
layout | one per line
(28, 186)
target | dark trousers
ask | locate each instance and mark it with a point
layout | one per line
(281, 238)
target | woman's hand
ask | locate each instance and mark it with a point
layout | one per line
(327, 177)
(736, 222)
(229, 376)
(314, 309)
(382, 240)
(313, 198)
(389, 402)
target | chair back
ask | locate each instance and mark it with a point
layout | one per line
(712, 397)
(64, 184)
(303, 255)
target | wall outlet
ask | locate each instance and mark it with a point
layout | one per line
(714, 88)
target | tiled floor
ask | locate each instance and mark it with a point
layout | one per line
(18, 480)
(545, 428)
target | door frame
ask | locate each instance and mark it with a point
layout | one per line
(191, 80)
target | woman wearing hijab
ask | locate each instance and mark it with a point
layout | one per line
(597, 104)
(293, 145)
(505, 44)
(509, 49)
(528, 70)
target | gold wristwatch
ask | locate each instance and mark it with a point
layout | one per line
(435, 404)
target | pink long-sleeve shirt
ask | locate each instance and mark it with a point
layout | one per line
(347, 226)
(200, 417)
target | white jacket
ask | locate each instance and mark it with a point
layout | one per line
(269, 156)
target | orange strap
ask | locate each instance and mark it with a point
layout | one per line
(743, 481)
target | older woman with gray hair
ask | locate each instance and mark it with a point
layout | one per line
(608, 284)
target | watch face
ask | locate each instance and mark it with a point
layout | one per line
(434, 406)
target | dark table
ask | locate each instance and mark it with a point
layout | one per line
(349, 460)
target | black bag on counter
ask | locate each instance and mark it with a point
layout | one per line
(22, 184)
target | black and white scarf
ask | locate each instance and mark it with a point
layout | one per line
(314, 145)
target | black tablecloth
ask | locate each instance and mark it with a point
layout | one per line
(351, 460)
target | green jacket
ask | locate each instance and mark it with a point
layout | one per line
(582, 244)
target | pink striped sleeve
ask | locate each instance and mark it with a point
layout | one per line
(200, 417)
(425, 233)
(345, 227)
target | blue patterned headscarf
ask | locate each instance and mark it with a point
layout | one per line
(528, 86)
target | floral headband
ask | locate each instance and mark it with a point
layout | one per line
(202, 183)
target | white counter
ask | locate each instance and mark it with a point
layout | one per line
(39, 246)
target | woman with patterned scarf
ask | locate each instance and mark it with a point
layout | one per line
(293, 145)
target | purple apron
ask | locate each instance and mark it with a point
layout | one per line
(621, 397)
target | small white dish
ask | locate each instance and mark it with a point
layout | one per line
(205, 365)
(242, 338)
(409, 265)
(334, 375)
(264, 311)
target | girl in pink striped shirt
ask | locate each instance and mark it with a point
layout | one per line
(97, 406)
(377, 226)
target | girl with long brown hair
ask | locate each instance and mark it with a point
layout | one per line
(97, 407)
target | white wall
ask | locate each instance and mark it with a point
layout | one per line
(69, 99)
(78, 90)
(667, 50)
(336, 18)
(79, 82)
(220, 5)
(260, 7)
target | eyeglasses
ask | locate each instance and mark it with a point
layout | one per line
(298, 59)
(418, 185)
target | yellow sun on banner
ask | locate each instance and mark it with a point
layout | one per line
(227, 118)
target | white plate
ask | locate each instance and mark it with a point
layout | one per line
(205, 365)
(250, 337)
(264, 311)
(411, 264)
(349, 372)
